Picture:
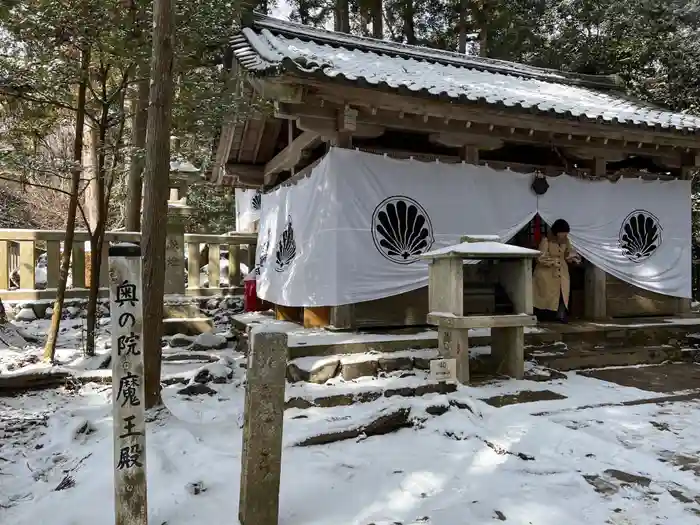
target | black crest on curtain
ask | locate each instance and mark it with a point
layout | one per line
(640, 235)
(256, 201)
(286, 248)
(401, 229)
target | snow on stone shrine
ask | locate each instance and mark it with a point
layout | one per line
(513, 270)
(377, 153)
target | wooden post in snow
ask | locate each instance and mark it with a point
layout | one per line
(128, 399)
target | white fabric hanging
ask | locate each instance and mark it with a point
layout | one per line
(352, 230)
(248, 206)
(637, 230)
(360, 221)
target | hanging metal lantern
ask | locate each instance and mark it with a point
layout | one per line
(540, 184)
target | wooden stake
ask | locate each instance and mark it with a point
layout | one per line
(128, 399)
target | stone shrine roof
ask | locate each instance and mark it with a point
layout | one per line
(482, 250)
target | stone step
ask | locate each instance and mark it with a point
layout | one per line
(575, 336)
(641, 333)
(557, 357)
(610, 356)
(187, 326)
(353, 366)
(344, 393)
(349, 367)
(182, 311)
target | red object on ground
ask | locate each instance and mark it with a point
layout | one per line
(251, 303)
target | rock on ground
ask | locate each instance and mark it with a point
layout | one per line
(196, 389)
(209, 341)
(11, 337)
(26, 315)
(215, 372)
(180, 341)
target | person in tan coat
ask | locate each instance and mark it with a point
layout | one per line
(551, 277)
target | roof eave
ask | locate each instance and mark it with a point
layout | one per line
(515, 111)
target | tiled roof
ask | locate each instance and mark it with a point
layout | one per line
(269, 46)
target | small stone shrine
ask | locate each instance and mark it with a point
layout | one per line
(513, 266)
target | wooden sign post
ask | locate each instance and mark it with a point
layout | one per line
(126, 312)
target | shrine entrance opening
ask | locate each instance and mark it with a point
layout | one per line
(530, 237)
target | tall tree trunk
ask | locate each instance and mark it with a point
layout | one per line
(377, 19)
(90, 171)
(97, 229)
(96, 244)
(484, 32)
(138, 136)
(342, 20)
(462, 26)
(139, 108)
(304, 12)
(156, 194)
(409, 31)
(50, 348)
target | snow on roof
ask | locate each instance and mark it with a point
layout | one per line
(473, 238)
(182, 166)
(269, 46)
(482, 250)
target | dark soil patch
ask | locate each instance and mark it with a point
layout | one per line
(686, 463)
(383, 424)
(628, 479)
(526, 396)
(667, 378)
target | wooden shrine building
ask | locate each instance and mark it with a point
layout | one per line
(335, 89)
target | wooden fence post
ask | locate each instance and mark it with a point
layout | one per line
(234, 266)
(126, 309)
(261, 460)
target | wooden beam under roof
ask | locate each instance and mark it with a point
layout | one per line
(341, 94)
(474, 132)
(228, 129)
(291, 155)
(223, 150)
(327, 128)
(507, 165)
(243, 175)
(246, 126)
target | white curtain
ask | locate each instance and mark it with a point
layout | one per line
(248, 206)
(352, 230)
(637, 230)
(360, 221)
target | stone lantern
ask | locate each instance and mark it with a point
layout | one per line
(182, 175)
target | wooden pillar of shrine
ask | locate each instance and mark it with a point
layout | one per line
(595, 283)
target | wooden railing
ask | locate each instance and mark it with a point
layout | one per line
(28, 254)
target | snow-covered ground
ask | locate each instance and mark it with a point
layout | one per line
(473, 464)
(465, 466)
